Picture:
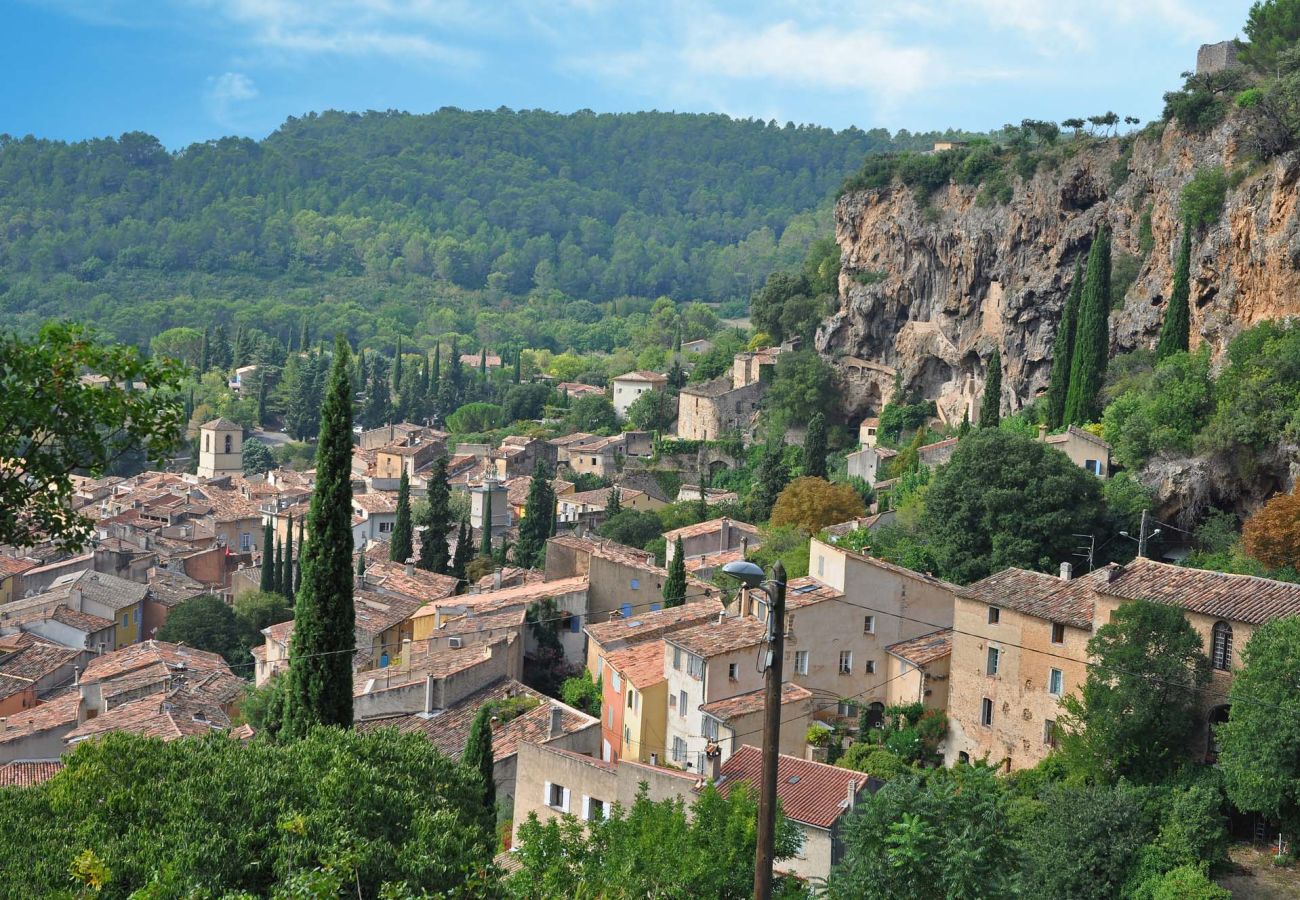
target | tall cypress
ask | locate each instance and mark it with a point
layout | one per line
(203, 353)
(277, 585)
(485, 546)
(1062, 349)
(297, 563)
(319, 691)
(286, 570)
(519, 364)
(261, 397)
(538, 525)
(613, 502)
(464, 549)
(437, 523)
(991, 402)
(1175, 333)
(399, 545)
(478, 757)
(267, 582)
(814, 448)
(675, 583)
(1092, 337)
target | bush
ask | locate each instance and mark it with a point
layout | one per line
(1202, 199)
(1183, 883)
(633, 527)
(813, 503)
(473, 418)
(874, 761)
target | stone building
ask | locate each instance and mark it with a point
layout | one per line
(221, 449)
(1212, 58)
(709, 411)
(632, 385)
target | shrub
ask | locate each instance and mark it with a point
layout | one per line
(813, 504)
(1202, 199)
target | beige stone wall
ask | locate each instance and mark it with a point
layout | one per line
(748, 729)
(1080, 451)
(908, 683)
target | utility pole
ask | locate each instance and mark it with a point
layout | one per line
(1142, 536)
(771, 735)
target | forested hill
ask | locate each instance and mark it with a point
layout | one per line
(594, 206)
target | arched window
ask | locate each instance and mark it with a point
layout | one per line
(1221, 646)
(228, 439)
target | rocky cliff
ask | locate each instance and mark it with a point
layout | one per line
(928, 289)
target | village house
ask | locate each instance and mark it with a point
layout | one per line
(713, 409)
(518, 455)
(517, 490)
(621, 578)
(30, 668)
(701, 345)
(634, 703)
(167, 590)
(605, 457)
(632, 385)
(576, 390)
(481, 359)
(708, 546)
(691, 493)
(868, 432)
(413, 457)
(425, 679)
(11, 570)
(244, 377)
(501, 511)
(1085, 449)
(918, 670)
(105, 597)
(738, 720)
(618, 632)
(590, 508)
(870, 463)
(564, 442)
(373, 516)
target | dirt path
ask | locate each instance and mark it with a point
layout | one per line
(1256, 878)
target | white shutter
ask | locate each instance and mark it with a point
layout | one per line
(546, 794)
(586, 807)
(565, 806)
(605, 808)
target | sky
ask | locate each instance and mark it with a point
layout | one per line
(194, 70)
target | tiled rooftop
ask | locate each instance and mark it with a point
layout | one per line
(497, 601)
(610, 550)
(641, 665)
(925, 649)
(810, 792)
(712, 526)
(28, 774)
(643, 626)
(106, 590)
(807, 590)
(642, 375)
(715, 638)
(59, 712)
(1240, 598)
(753, 701)
(175, 715)
(1035, 594)
(173, 588)
(158, 658)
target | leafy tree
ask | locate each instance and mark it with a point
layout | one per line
(769, 481)
(525, 402)
(1272, 535)
(582, 692)
(1176, 329)
(592, 413)
(1092, 336)
(538, 525)
(256, 610)
(653, 411)
(474, 418)
(277, 566)
(1272, 27)
(215, 817)
(1202, 199)
(814, 447)
(1135, 714)
(1187, 882)
(991, 403)
(633, 527)
(184, 345)
(257, 457)
(802, 384)
(58, 424)
(400, 547)
(1164, 413)
(477, 757)
(675, 584)
(437, 521)
(814, 503)
(1007, 500)
(207, 623)
(1257, 745)
(320, 668)
(485, 541)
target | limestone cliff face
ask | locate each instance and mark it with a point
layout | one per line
(957, 278)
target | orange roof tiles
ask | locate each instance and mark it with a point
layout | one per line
(925, 649)
(641, 665)
(59, 712)
(712, 526)
(1038, 595)
(1240, 598)
(810, 792)
(715, 638)
(28, 774)
(807, 590)
(753, 702)
(643, 626)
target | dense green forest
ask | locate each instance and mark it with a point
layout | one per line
(372, 219)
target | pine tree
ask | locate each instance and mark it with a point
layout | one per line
(399, 543)
(675, 583)
(538, 525)
(319, 690)
(1175, 333)
(267, 582)
(1058, 384)
(814, 447)
(991, 403)
(287, 570)
(478, 757)
(613, 503)
(485, 547)
(277, 586)
(437, 522)
(1092, 336)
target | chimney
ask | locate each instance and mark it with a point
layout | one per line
(496, 579)
(744, 546)
(1113, 572)
(1067, 571)
(428, 695)
(76, 675)
(852, 798)
(722, 616)
(410, 568)
(556, 727)
(1042, 432)
(722, 531)
(654, 759)
(715, 763)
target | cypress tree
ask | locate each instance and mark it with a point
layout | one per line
(437, 522)
(769, 481)
(297, 563)
(286, 570)
(702, 503)
(203, 353)
(485, 549)
(361, 563)
(538, 525)
(814, 447)
(1175, 333)
(319, 690)
(519, 366)
(482, 364)
(478, 757)
(613, 502)
(1062, 349)
(400, 548)
(964, 428)
(675, 583)
(464, 549)
(261, 397)
(397, 365)
(991, 403)
(1092, 336)
(277, 585)
(267, 582)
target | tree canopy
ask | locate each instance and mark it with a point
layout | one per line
(208, 623)
(814, 503)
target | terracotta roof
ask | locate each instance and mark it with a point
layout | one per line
(281, 632)
(438, 664)
(173, 588)
(644, 626)
(891, 567)
(642, 375)
(420, 585)
(938, 445)
(1240, 598)
(376, 502)
(641, 665)
(578, 389)
(12, 566)
(752, 702)
(176, 715)
(222, 424)
(715, 638)
(156, 658)
(519, 595)
(87, 622)
(810, 792)
(599, 498)
(106, 590)
(37, 659)
(1078, 432)
(925, 649)
(58, 712)
(807, 590)
(376, 613)
(9, 685)
(28, 774)
(712, 526)
(713, 560)
(1035, 594)
(718, 387)
(610, 550)
(568, 439)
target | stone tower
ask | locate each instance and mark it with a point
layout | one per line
(221, 448)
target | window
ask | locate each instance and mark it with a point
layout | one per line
(1093, 466)
(964, 758)
(986, 712)
(137, 615)
(677, 658)
(681, 704)
(385, 527)
(1221, 646)
(1055, 682)
(870, 667)
(626, 610)
(1049, 732)
(595, 809)
(126, 619)
(731, 670)
(557, 797)
(246, 541)
(801, 662)
(995, 615)
(616, 682)
(227, 443)
(846, 662)
(679, 750)
(207, 443)
(694, 665)
(1058, 633)
(630, 695)
(672, 701)
(995, 656)
(575, 624)
(709, 728)
(636, 584)
(868, 624)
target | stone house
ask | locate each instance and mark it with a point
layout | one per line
(703, 345)
(374, 515)
(599, 456)
(710, 411)
(101, 596)
(411, 458)
(738, 720)
(618, 632)
(712, 537)
(632, 385)
(867, 432)
(575, 390)
(918, 670)
(588, 508)
(936, 454)
(426, 680)
(870, 463)
(634, 703)
(622, 579)
(167, 590)
(518, 455)
(1084, 448)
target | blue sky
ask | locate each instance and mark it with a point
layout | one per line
(190, 70)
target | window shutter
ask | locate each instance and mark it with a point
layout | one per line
(565, 806)
(546, 794)
(586, 807)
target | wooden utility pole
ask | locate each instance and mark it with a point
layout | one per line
(1142, 536)
(766, 848)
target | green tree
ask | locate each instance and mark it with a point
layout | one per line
(814, 447)
(207, 623)
(802, 384)
(633, 527)
(277, 567)
(1257, 745)
(320, 668)
(613, 502)
(437, 521)
(675, 583)
(59, 423)
(592, 413)
(1092, 336)
(474, 418)
(769, 481)
(1007, 500)
(991, 402)
(267, 582)
(653, 411)
(287, 568)
(464, 550)
(400, 547)
(1165, 412)
(814, 503)
(256, 610)
(485, 542)
(1175, 331)
(582, 692)
(257, 457)
(184, 345)
(478, 758)
(538, 525)
(1272, 27)
(1136, 713)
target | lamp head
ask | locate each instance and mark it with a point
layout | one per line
(744, 571)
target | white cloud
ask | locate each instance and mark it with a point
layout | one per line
(225, 93)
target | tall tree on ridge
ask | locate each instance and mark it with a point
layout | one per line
(319, 690)
(437, 522)
(464, 549)
(399, 544)
(277, 568)
(478, 757)
(1063, 349)
(613, 502)
(991, 402)
(1175, 332)
(1092, 337)
(814, 448)
(286, 570)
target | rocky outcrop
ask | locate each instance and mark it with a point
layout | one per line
(927, 289)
